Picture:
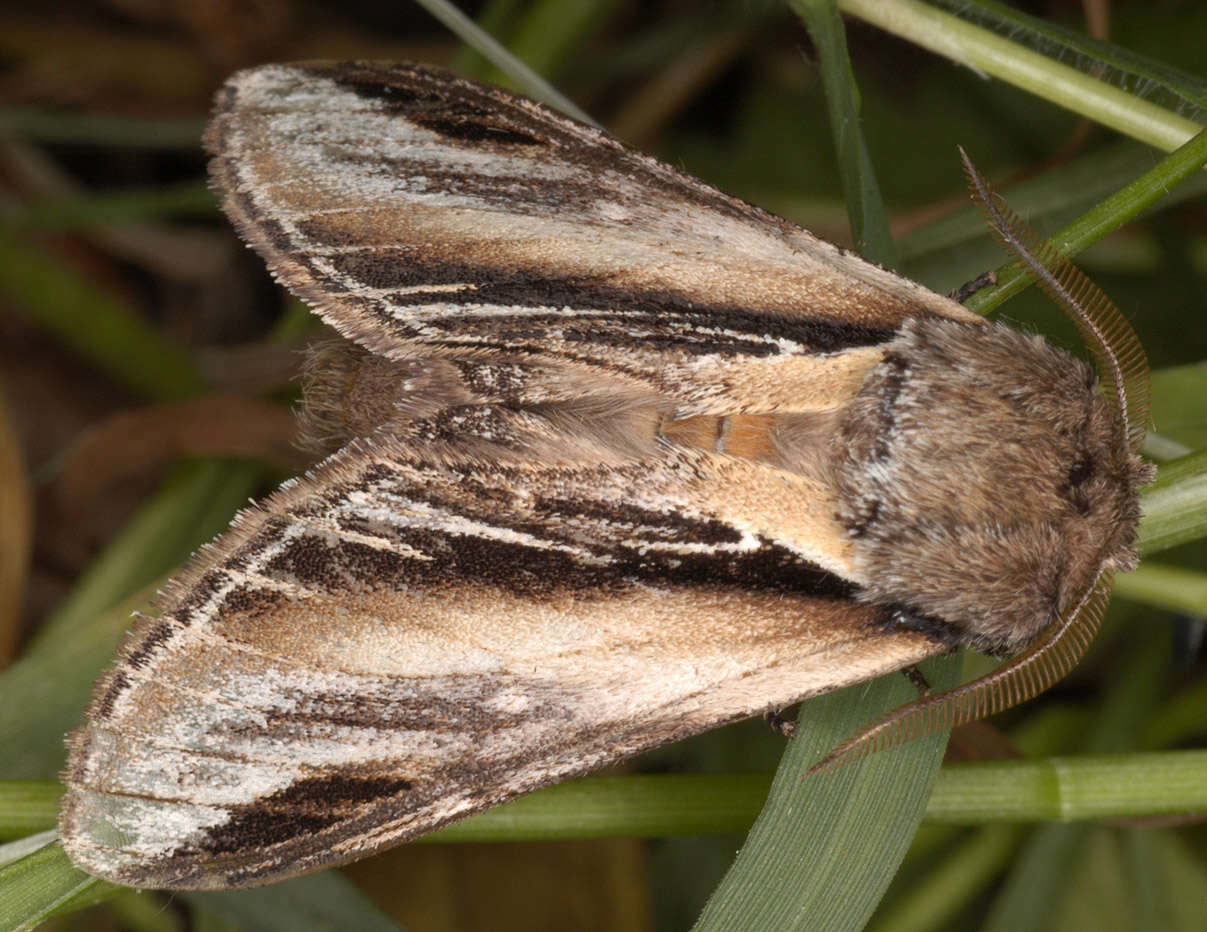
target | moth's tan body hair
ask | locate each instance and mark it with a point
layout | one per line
(614, 458)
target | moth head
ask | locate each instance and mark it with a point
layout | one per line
(984, 481)
(1022, 555)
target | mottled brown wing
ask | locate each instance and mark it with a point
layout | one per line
(422, 213)
(410, 634)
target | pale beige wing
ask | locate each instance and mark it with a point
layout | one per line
(411, 634)
(422, 213)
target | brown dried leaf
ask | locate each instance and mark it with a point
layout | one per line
(135, 441)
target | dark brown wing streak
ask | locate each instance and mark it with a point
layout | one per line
(408, 635)
(420, 212)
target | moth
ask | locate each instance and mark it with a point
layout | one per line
(617, 458)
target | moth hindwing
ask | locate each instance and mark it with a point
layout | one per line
(619, 458)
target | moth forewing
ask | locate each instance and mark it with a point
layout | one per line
(623, 458)
(512, 649)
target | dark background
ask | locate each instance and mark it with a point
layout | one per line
(103, 203)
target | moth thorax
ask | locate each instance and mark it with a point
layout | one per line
(983, 480)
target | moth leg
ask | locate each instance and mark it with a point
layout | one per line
(779, 722)
(898, 616)
(918, 678)
(968, 289)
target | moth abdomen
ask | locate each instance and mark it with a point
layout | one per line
(984, 480)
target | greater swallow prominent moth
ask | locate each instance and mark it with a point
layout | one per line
(617, 458)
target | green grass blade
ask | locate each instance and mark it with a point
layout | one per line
(525, 78)
(1173, 88)
(1175, 506)
(1179, 403)
(953, 882)
(99, 129)
(1173, 588)
(325, 902)
(97, 209)
(548, 32)
(861, 191)
(1081, 788)
(824, 848)
(43, 884)
(27, 806)
(1046, 78)
(1123, 206)
(43, 694)
(99, 329)
(1038, 881)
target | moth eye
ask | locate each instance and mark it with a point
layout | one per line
(1081, 473)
